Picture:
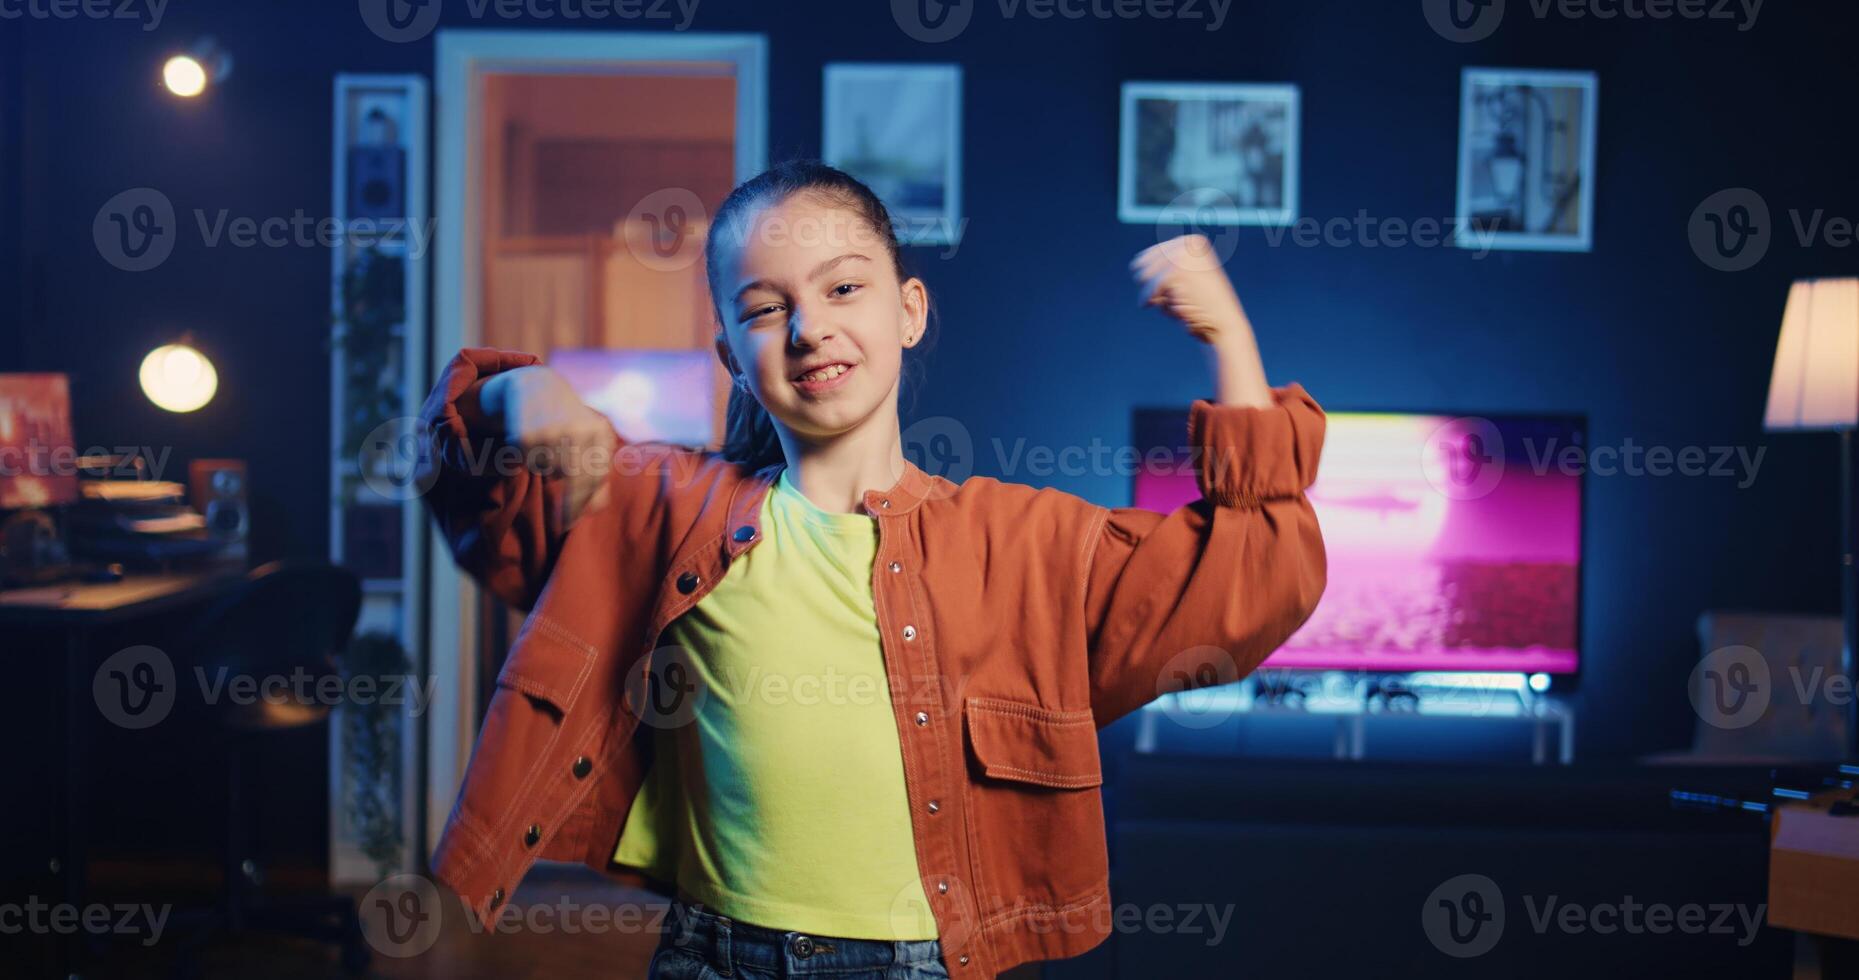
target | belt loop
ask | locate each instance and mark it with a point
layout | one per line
(724, 954)
(683, 924)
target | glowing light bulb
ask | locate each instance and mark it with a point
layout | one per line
(184, 75)
(178, 378)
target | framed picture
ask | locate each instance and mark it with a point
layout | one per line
(1224, 154)
(898, 128)
(1526, 159)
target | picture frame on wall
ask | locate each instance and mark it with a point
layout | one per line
(898, 128)
(1526, 159)
(1210, 153)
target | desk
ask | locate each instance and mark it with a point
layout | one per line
(76, 609)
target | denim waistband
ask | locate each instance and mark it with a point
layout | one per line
(726, 944)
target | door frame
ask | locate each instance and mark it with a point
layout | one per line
(463, 57)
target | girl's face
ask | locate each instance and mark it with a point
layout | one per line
(814, 317)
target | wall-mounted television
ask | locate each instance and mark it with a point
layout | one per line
(1454, 543)
(650, 395)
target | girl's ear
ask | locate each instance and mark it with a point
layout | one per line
(915, 302)
(728, 358)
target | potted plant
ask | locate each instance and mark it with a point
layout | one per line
(371, 748)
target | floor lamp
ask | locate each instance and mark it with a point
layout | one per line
(1815, 387)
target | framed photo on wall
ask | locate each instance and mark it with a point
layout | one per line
(898, 128)
(1222, 153)
(1526, 159)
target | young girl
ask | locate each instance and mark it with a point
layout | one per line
(844, 711)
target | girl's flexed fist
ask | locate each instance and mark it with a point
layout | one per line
(560, 436)
(1183, 277)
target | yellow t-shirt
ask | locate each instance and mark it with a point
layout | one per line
(781, 803)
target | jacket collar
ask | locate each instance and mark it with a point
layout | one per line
(910, 489)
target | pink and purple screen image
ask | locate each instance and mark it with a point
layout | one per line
(651, 395)
(1454, 544)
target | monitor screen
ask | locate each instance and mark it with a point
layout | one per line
(38, 459)
(1454, 544)
(651, 395)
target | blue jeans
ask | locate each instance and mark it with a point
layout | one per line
(697, 944)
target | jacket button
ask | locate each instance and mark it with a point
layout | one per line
(934, 806)
(885, 502)
(583, 766)
(496, 898)
(922, 718)
(687, 583)
(943, 887)
(910, 632)
(744, 533)
(896, 567)
(532, 835)
(963, 959)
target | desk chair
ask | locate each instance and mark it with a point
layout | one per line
(286, 616)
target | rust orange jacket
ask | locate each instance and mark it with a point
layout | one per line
(1015, 622)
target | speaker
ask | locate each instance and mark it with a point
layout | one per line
(377, 182)
(217, 491)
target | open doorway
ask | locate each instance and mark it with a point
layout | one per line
(575, 174)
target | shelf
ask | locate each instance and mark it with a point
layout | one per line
(391, 605)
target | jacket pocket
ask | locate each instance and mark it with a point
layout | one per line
(1036, 820)
(1026, 743)
(548, 663)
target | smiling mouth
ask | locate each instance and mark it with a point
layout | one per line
(821, 374)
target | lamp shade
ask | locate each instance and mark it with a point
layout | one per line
(1815, 384)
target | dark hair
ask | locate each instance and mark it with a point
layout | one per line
(751, 435)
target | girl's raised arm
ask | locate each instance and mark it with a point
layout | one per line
(515, 458)
(1202, 595)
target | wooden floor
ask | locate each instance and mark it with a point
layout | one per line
(614, 943)
(613, 952)
(616, 952)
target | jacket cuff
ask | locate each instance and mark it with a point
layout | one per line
(1248, 455)
(451, 412)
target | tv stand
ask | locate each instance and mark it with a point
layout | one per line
(1353, 699)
